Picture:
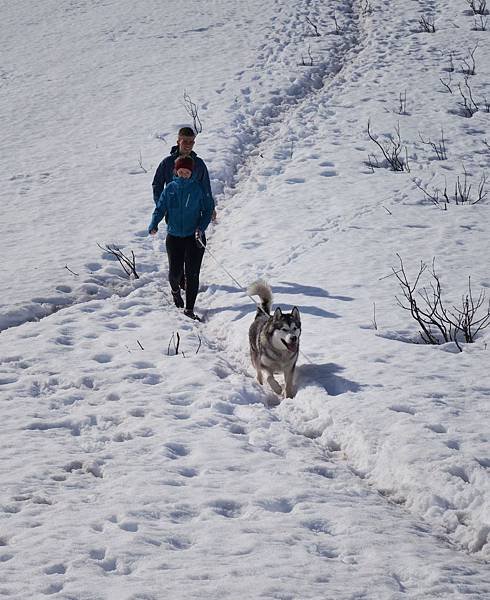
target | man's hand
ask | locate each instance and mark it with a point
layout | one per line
(153, 231)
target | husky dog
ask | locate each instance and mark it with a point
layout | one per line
(274, 340)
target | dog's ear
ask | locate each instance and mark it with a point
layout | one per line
(295, 314)
(277, 314)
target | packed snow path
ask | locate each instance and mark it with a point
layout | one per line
(129, 472)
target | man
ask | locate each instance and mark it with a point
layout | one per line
(165, 171)
(164, 174)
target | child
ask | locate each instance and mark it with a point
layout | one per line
(189, 209)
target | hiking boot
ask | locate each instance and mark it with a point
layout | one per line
(191, 314)
(178, 300)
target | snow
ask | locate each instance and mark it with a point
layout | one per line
(131, 472)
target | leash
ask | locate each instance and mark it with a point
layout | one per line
(237, 283)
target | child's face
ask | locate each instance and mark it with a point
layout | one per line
(184, 173)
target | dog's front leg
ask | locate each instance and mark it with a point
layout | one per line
(274, 384)
(289, 388)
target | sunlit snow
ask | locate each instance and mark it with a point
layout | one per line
(131, 472)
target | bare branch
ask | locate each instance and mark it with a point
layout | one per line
(439, 147)
(313, 26)
(392, 150)
(437, 322)
(447, 84)
(338, 29)
(479, 7)
(193, 111)
(427, 24)
(128, 264)
(480, 23)
(402, 107)
(469, 64)
(468, 104)
(73, 272)
(140, 162)
(375, 324)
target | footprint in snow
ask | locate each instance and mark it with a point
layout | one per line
(93, 266)
(224, 408)
(188, 472)
(180, 400)
(437, 428)
(52, 588)
(180, 415)
(227, 508)
(221, 372)
(5, 557)
(237, 429)
(102, 358)
(318, 526)
(141, 364)
(176, 450)
(130, 526)
(452, 444)
(55, 569)
(7, 379)
(179, 543)
(97, 553)
(136, 412)
(281, 505)
(64, 340)
(402, 409)
(182, 514)
(122, 436)
(459, 472)
(325, 551)
(109, 565)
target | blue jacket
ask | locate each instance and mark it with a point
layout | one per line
(165, 173)
(187, 206)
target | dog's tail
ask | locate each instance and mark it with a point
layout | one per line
(261, 289)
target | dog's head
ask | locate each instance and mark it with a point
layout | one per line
(286, 330)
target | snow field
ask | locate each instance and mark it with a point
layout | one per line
(128, 472)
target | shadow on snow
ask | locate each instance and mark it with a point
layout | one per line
(325, 376)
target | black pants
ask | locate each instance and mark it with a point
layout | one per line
(184, 258)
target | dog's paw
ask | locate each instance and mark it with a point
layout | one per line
(276, 387)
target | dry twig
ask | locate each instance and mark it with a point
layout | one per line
(128, 264)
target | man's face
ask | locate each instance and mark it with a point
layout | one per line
(186, 143)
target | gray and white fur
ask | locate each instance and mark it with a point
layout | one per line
(274, 341)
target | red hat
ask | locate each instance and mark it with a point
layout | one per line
(184, 162)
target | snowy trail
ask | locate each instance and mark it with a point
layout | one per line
(226, 492)
(264, 79)
(464, 465)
